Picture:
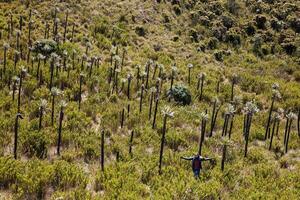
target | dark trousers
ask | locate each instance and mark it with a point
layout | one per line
(196, 173)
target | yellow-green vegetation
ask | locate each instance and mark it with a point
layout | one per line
(94, 94)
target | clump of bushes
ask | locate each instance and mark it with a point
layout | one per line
(45, 47)
(177, 9)
(67, 175)
(250, 28)
(8, 171)
(102, 27)
(260, 21)
(276, 25)
(194, 35)
(36, 143)
(33, 184)
(219, 31)
(180, 94)
(296, 75)
(289, 47)
(140, 31)
(212, 43)
(219, 55)
(227, 21)
(233, 37)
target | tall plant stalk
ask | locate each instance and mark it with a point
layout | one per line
(54, 92)
(81, 76)
(275, 122)
(190, 66)
(204, 118)
(102, 151)
(298, 122)
(223, 157)
(215, 111)
(66, 25)
(247, 133)
(122, 117)
(141, 98)
(15, 81)
(61, 117)
(202, 78)
(18, 116)
(22, 75)
(155, 113)
(153, 90)
(129, 78)
(250, 109)
(131, 143)
(275, 95)
(5, 47)
(42, 108)
(290, 118)
(166, 113)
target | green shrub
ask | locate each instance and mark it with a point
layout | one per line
(35, 143)
(219, 55)
(32, 184)
(102, 26)
(78, 194)
(9, 169)
(180, 94)
(174, 140)
(256, 155)
(140, 31)
(177, 9)
(233, 37)
(67, 175)
(212, 43)
(45, 47)
(296, 75)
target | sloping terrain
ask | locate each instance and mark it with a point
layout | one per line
(65, 70)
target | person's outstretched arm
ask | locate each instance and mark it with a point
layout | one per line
(186, 158)
(205, 159)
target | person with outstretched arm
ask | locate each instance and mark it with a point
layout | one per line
(196, 163)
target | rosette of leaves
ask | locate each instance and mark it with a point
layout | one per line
(6, 45)
(180, 94)
(251, 108)
(167, 111)
(204, 116)
(230, 110)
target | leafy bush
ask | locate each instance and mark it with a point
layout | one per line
(180, 94)
(260, 21)
(32, 184)
(67, 175)
(36, 143)
(175, 140)
(80, 194)
(45, 47)
(219, 55)
(256, 155)
(296, 75)
(140, 31)
(233, 37)
(9, 168)
(102, 26)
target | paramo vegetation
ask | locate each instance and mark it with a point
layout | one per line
(100, 99)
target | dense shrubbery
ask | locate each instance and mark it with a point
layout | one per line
(45, 47)
(180, 94)
(90, 120)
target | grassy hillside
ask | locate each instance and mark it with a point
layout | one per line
(86, 86)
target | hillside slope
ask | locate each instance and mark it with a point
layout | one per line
(65, 70)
